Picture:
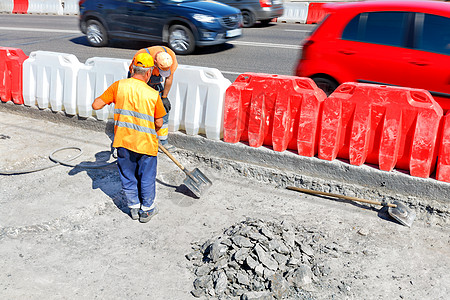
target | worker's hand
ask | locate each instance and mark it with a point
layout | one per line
(166, 104)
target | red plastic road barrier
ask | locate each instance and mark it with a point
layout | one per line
(388, 126)
(315, 13)
(20, 7)
(281, 111)
(11, 66)
(236, 106)
(443, 165)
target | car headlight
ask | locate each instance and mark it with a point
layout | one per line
(204, 18)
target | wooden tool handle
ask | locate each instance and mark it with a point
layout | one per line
(171, 157)
(338, 196)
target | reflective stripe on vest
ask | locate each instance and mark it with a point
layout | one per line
(163, 133)
(133, 126)
(133, 113)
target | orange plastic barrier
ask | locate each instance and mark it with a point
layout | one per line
(11, 62)
(20, 7)
(316, 13)
(273, 110)
(443, 165)
(388, 126)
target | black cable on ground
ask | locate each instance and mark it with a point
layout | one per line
(56, 162)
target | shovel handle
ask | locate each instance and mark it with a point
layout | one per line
(171, 157)
(339, 196)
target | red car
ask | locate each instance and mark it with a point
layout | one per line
(402, 43)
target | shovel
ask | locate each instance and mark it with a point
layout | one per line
(396, 210)
(195, 180)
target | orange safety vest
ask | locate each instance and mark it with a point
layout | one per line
(134, 119)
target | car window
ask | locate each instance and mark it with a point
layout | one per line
(318, 25)
(386, 28)
(432, 33)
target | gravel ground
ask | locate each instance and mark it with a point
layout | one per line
(65, 232)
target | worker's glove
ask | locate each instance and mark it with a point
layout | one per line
(166, 104)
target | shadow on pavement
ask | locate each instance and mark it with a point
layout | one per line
(181, 189)
(114, 43)
(104, 178)
(137, 45)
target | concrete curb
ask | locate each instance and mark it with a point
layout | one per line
(286, 168)
(338, 176)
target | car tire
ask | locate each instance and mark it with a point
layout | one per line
(328, 85)
(248, 18)
(96, 33)
(181, 40)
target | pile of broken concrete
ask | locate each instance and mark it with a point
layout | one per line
(256, 259)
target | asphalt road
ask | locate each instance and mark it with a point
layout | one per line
(273, 49)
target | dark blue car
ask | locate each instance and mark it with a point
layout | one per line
(182, 24)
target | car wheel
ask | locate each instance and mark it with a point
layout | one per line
(96, 34)
(328, 85)
(248, 18)
(181, 40)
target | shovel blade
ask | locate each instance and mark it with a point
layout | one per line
(197, 182)
(402, 214)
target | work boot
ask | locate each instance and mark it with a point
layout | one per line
(145, 216)
(134, 212)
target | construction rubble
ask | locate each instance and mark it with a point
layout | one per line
(258, 259)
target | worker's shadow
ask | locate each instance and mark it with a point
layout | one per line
(104, 176)
(181, 189)
(103, 173)
(382, 212)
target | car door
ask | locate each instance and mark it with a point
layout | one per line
(114, 13)
(372, 47)
(145, 19)
(428, 62)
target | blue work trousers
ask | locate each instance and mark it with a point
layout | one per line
(138, 174)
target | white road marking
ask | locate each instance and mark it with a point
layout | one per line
(297, 30)
(39, 30)
(269, 45)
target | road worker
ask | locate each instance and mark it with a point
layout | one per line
(161, 80)
(138, 116)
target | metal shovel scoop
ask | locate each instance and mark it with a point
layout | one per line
(396, 210)
(195, 180)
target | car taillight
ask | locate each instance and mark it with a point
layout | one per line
(81, 2)
(265, 3)
(305, 47)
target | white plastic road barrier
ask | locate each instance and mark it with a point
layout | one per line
(35, 7)
(61, 82)
(197, 98)
(45, 7)
(50, 80)
(71, 7)
(294, 12)
(6, 6)
(97, 74)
